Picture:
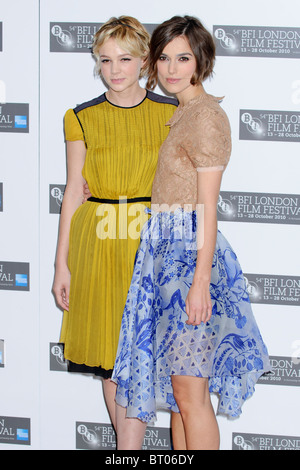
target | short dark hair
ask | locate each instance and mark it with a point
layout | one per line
(200, 41)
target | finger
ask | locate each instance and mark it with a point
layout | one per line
(200, 318)
(187, 311)
(65, 299)
(206, 317)
(203, 316)
(194, 319)
(67, 294)
(191, 318)
(60, 302)
(194, 315)
(60, 297)
(209, 312)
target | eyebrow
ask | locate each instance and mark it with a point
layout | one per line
(179, 55)
(121, 55)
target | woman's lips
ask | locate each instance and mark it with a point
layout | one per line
(117, 80)
(172, 81)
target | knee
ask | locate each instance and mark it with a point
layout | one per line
(179, 398)
(182, 396)
(191, 393)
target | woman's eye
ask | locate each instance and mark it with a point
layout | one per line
(162, 58)
(126, 59)
(104, 61)
(184, 59)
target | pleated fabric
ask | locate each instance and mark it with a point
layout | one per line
(122, 150)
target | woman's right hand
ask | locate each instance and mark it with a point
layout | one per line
(61, 287)
(73, 196)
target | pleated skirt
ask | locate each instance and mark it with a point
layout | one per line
(102, 250)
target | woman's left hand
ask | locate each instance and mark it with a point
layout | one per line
(86, 192)
(198, 304)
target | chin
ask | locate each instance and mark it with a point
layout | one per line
(171, 88)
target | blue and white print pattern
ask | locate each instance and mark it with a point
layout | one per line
(155, 342)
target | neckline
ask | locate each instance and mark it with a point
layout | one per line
(126, 107)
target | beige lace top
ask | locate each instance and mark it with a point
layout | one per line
(199, 140)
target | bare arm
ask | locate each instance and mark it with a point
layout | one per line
(73, 196)
(198, 302)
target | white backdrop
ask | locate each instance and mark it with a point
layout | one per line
(31, 163)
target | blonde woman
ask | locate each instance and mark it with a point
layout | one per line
(112, 144)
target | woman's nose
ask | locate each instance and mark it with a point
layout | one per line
(172, 67)
(115, 67)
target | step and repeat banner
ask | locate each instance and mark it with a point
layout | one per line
(46, 67)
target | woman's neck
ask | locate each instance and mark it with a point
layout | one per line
(190, 93)
(127, 98)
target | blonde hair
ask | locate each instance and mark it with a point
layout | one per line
(130, 35)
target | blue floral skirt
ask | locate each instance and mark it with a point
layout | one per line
(155, 341)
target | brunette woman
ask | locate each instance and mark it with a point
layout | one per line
(188, 329)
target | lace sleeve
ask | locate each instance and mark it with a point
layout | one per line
(209, 146)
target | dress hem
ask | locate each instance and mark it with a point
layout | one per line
(85, 369)
(214, 389)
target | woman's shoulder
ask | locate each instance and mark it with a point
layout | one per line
(207, 102)
(209, 108)
(156, 98)
(88, 104)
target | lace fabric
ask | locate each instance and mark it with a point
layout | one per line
(199, 140)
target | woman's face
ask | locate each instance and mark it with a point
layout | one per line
(176, 66)
(120, 70)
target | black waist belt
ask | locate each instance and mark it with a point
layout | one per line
(119, 201)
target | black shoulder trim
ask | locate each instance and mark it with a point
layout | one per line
(161, 99)
(90, 103)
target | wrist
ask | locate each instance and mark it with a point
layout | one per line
(201, 279)
(61, 265)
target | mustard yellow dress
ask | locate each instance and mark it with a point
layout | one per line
(122, 151)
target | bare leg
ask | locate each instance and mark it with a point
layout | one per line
(109, 392)
(130, 431)
(178, 434)
(199, 420)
